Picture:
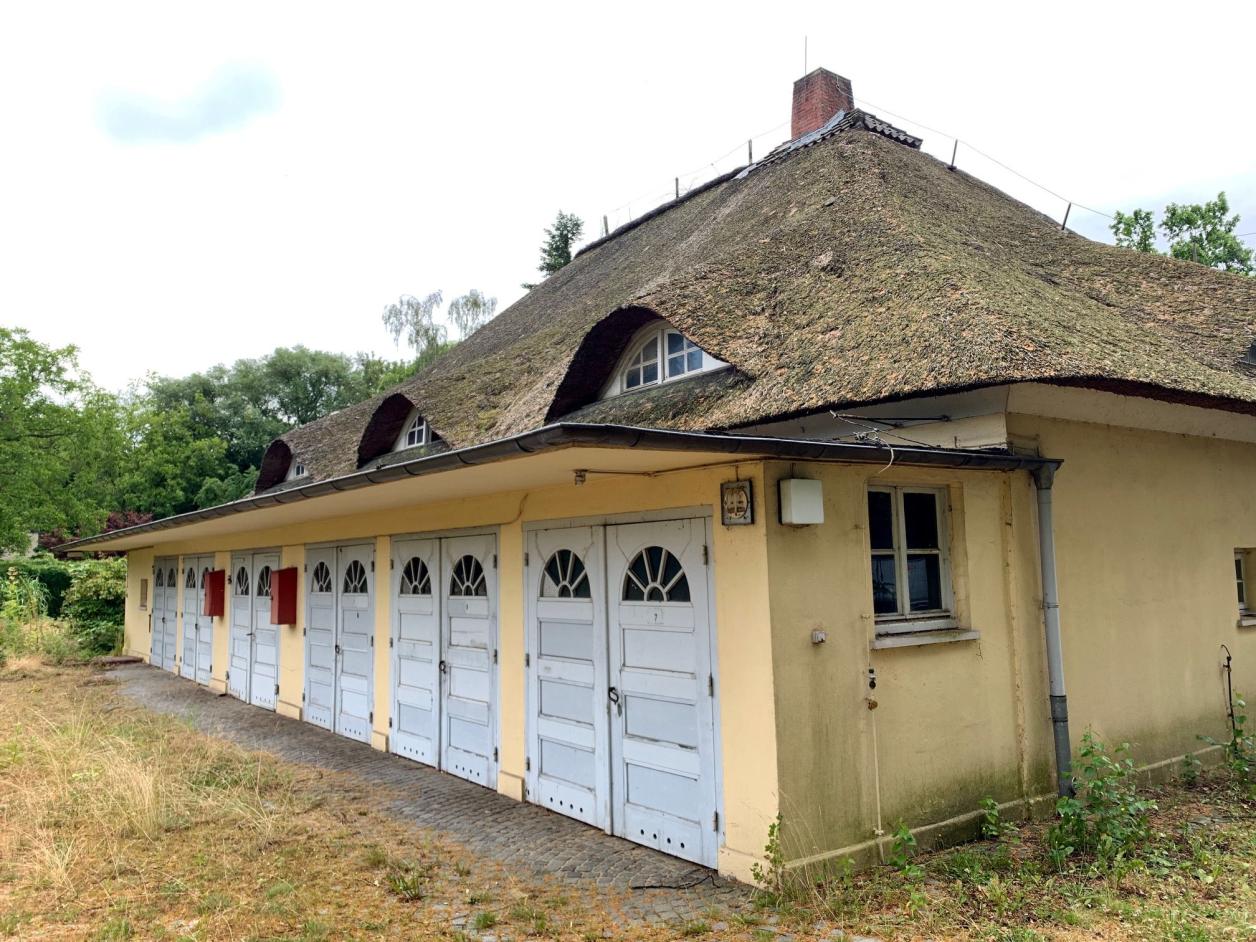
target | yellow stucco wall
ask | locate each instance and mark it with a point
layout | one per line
(946, 728)
(1146, 525)
(1146, 528)
(741, 616)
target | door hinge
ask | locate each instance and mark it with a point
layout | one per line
(494, 753)
(303, 631)
(706, 555)
(370, 717)
(390, 722)
(525, 558)
(392, 563)
(276, 690)
(715, 821)
(302, 696)
(494, 560)
(372, 565)
(527, 764)
(305, 567)
(710, 685)
(390, 642)
(527, 660)
(372, 641)
(494, 655)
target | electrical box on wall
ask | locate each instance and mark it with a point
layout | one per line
(802, 502)
(215, 604)
(283, 597)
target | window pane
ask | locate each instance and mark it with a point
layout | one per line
(924, 581)
(650, 372)
(884, 585)
(675, 366)
(695, 359)
(881, 519)
(675, 343)
(633, 378)
(920, 520)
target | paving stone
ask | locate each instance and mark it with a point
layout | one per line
(535, 841)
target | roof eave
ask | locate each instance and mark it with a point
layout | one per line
(575, 435)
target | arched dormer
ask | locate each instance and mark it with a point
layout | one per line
(630, 349)
(396, 425)
(276, 466)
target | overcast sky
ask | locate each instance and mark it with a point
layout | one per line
(183, 185)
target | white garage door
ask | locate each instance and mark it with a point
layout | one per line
(416, 650)
(621, 682)
(340, 639)
(253, 665)
(165, 612)
(567, 685)
(444, 642)
(198, 629)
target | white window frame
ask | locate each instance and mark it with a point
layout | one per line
(428, 436)
(1240, 580)
(296, 470)
(905, 620)
(655, 333)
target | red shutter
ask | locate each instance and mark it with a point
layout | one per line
(283, 597)
(216, 593)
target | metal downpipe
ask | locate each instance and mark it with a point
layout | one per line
(1043, 478)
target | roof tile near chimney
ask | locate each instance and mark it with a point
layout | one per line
(818, 96)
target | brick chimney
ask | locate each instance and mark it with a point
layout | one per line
(818, 96)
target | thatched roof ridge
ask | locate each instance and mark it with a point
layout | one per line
(851, 271)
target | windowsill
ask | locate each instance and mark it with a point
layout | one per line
(1247, 620)
(913, 639)
(913, 624)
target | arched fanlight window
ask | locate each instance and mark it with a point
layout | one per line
(242, 581)
(415, 578)
(160, 581)
(355, 579)
(655, 575)
(263, 583)
(565, 577)
(657, 354)
(467, 578)
(170, 578)
(322, 578)
(189, 578)
(416, 432)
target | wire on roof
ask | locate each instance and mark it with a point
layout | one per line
(993, 160)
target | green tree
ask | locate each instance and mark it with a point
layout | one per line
(1136, 230)
(1195, 232)
(560, 240)
(1206, 234)
(60, 442)
(415, 320)
(471, 311)
(169, 462)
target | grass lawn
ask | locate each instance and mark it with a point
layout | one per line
(116, 823)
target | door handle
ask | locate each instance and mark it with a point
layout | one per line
(337, 649)
(613, 695)
(443, 667)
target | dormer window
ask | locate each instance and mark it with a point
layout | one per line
(297, 470)
(415, 432)
(657, 354)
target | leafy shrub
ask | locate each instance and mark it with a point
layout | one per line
(95, 603)
(53, 574)
(1240, 750)
(1106, 819)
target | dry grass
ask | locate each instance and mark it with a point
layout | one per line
(116, 823)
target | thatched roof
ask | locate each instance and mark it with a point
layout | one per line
(854, 270)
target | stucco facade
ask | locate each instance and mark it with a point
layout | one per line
(1146, 526)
